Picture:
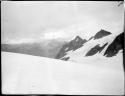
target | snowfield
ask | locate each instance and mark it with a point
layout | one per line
(26, 74)
(82, 51)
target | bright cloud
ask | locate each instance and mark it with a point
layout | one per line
(55, 35)
(36, 19)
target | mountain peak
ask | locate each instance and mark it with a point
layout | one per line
(78, 37)
(101, 33)
(83, 47)
(74, 44)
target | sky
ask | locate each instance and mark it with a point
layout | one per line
(28, 21)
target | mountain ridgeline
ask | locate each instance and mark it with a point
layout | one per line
(101, 34)
(45, 49)
(72, 45)
(96, 44)
(109, 49)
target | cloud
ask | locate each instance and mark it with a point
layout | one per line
(55, 35)
(24, 19)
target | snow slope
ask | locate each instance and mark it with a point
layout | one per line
(80, 54)
(25, 74)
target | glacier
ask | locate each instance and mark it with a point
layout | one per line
(26, 74)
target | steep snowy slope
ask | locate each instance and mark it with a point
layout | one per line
(93, 45)
(84, 50)
(27, 74)
(106, 45)
(72, 45)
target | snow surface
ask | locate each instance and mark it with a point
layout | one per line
(25, 74)
(92, 43)
(79, 54)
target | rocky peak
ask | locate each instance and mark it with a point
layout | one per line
(78, 39)
(72, 45)
(101, 33)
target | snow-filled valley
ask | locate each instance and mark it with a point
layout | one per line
(26, 74)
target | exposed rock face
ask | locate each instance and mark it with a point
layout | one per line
(96, 49)
(101, 33)
(78, 43)
(115, 46)
(72, 45)
(65, 58)
(110, 49)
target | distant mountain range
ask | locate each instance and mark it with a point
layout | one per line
(45, 49)
(103, 42)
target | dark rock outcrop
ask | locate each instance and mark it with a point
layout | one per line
(90, 38)
(65, 58)
(101, 33)
(115, 46)
(95, 49)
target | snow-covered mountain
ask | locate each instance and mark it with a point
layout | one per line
(72, 45)
(103, 43)
(27, 74)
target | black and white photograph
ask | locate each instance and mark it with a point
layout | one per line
(62, 47)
